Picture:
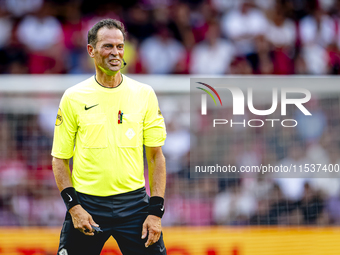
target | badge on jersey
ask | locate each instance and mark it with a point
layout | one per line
(120, 117)
(59, 119)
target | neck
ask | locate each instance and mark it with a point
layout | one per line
(109, 81)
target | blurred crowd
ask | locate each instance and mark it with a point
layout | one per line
(252, 198)
(29, 196)
(183, 37)
(175, 37)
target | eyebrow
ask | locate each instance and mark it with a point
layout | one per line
(110, 44)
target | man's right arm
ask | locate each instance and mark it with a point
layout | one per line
(82, 220)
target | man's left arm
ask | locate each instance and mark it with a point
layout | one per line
(157, 180)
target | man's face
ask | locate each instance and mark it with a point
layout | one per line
(109, 50)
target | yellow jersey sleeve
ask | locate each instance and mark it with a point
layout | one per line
(154, 132)
(65, 130)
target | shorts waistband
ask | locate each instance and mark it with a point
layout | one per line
(131, 194)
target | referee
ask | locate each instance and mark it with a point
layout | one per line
(103, 123)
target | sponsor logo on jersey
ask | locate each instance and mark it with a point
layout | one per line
(59, 119)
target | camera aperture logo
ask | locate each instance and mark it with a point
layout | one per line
(239, 105)
(204, 97)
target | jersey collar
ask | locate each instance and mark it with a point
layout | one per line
(106, 89)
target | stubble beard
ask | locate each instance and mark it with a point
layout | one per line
(108, 69)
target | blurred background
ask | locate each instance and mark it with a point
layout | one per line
(241, 36)
(169, 41)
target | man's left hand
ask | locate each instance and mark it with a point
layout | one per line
(152, 224)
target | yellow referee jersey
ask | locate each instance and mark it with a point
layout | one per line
(104, 130)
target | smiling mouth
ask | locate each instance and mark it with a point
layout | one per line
(114, 61)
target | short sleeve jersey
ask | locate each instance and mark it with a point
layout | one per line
(104, 130)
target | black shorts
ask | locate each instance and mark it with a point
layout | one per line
(121, 216)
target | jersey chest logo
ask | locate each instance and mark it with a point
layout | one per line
(88, 108)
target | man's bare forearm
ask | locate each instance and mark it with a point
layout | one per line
(157, 178)
(81, 219)
(157, 172)
(62, 173)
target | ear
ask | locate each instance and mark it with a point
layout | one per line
(90, 50)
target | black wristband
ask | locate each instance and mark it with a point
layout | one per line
(70, 197)
(156, 206)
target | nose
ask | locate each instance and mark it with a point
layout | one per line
(114, 51)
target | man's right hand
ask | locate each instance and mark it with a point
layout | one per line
(82, 220)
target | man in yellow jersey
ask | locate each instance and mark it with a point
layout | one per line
(103, 123)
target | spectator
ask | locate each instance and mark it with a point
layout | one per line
(7, 217)
(73, 38)
(259, 186)
(281, 30)
(13, 58)
(242, 25)
(281, 34)
(176, 147)
(316, 59)
(6, 27)
(161, 53)
(47, 209)
(182, 29)
(198, 207)
(327, 5)
(333, 207)
(317, 32)
(232, 205)
(300, 66)
(293, 188)
(272, 208)
(311, 127)
(43, 24)
(241, 66)
(326, 152)
(42, 34)
(311, 204)
(224, 6)
(175, 201)
(213, 55)
(266, 5)
(318, 28)
(138, 23)
(20, 8)
(262, 60)
(13, 171)
(201, 17)
(181, 26)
